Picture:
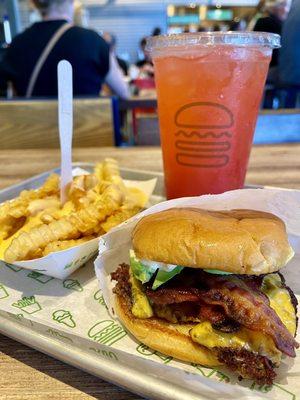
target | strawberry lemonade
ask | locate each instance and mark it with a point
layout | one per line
(209, 89)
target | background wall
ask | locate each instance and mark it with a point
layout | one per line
(128, 20)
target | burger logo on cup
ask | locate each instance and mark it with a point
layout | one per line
(199, 144)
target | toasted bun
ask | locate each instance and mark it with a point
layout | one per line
(170, 339)
(237, 241)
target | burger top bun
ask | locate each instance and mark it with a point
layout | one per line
(236, 241)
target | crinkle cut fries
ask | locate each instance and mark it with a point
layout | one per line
(36, 224)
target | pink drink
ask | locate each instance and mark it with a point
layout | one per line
(208, 101)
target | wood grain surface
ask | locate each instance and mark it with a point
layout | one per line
(33, 124)
(27, 374)
(277, 165)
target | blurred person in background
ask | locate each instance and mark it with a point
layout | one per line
(89, 54)
(289, 57)
(277, 12)
(111, 40)
(156, 31)
(145, 65)
(143, 68)
(216, 28)
(238, 25)
(81, 14)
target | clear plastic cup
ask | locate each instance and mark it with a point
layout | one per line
(209, 88)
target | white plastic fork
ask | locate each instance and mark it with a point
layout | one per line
(65, 124)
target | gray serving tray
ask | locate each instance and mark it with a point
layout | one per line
(130, 376)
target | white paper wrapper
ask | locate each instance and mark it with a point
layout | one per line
(63, 263)
(114, 249)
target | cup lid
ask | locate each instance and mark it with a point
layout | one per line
(239, 39)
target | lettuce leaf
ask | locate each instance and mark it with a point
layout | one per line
(140, 271)
(217, 272)
(164, 276)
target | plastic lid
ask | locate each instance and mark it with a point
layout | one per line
(239, 39)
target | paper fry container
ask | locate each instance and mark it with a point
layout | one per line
(114, 246)
(63, 263)
(60, 264)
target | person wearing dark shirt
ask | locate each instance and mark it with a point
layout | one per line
(83, 48)
(278, 11)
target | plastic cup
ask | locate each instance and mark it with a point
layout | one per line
(209, 88)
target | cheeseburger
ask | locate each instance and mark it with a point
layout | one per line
(205, 287)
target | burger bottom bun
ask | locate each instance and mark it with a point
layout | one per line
(167, 338)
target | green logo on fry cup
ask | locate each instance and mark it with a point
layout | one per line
(64, 317)
(67, 266)
(106, 332)
(29, 305)
(72, 284)
(13, 267)
(3, 292)
(41, 278)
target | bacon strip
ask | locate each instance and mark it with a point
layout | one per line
(177, 295)
(249, 310)
(241, 300)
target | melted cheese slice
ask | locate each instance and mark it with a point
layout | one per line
(254, 341)
(280, 301)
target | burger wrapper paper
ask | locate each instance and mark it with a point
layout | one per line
(218, 383)
(63, 263)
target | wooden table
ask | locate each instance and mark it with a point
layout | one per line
(28, 374)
